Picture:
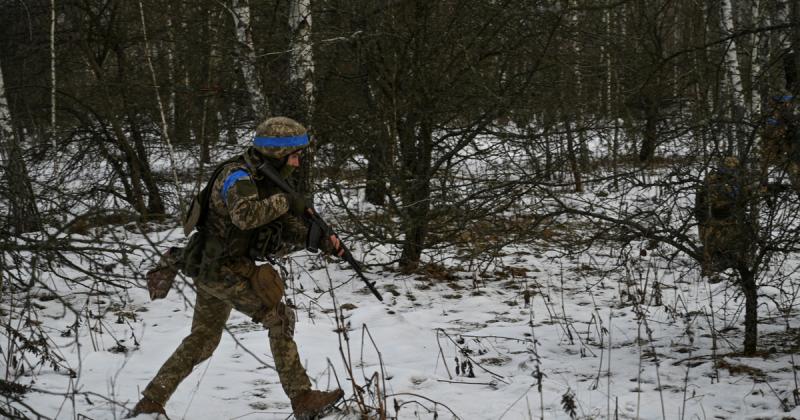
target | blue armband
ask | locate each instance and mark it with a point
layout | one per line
(230, 180)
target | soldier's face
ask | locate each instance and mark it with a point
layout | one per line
(293, 160)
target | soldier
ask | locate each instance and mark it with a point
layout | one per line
(240, 218)
(781, 144)
(724, 224)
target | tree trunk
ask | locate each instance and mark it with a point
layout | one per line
(794, 15)
(170, 49)
(301, 80)
(209, 121)
(53, 75)
(138, 155)
(573, 157)
(416, 149)
(750, 291)
(155, 205)
(548, 158)
(733, 67)
(24, 215)
(301, 66)
(650, 136)
(135, 195)
(378, 150)
(759, 56)
(245, 51)
(375, 190)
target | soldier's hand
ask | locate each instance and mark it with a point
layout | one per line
(336, 245)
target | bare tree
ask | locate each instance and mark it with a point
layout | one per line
(16, 185)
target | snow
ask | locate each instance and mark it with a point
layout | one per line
(574, 313)
(535, 323)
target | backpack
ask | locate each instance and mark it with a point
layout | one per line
(197, 211)
(194, 221)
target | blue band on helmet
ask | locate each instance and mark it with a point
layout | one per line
(230, 180)
(783, 98)
(292, 141)
(773, 121)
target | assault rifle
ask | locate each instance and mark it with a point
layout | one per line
(318, 229)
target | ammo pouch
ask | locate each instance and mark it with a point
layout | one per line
(264, 281)
(193, 254)
(214, 253)
(195, 211)
(266, 241)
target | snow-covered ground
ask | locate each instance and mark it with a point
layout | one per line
(518, 342)
(612, 333)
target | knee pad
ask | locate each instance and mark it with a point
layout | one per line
(279, 321)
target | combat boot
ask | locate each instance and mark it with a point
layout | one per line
(309, 404)
(147, 406)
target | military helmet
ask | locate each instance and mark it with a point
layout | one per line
(278, 137)
(730, 162)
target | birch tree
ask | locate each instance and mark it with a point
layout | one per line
(733, 76)
(53, 74)
(301, 66)
(245, 50)
(791, 43)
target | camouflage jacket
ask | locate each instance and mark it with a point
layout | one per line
(781, 131)
(248, 217)
(725, 195)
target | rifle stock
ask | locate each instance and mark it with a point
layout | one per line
(318, 228)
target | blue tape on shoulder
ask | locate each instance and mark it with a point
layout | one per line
(783, 98)
(292, 141)
(230, 180)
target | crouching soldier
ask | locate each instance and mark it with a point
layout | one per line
(240, 218)
(727, 232)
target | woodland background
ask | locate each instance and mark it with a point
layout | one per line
(440, 128)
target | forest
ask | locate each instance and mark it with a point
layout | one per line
(532, 186)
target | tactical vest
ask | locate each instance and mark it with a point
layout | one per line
(205, 252)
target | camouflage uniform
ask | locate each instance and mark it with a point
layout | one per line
(246, 220)
(724, 225)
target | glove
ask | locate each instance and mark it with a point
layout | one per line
(161, 278)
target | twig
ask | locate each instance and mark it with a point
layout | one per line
(524, 394)
(426, 399)
(441, 353)
(784, 406)
(342, 335)
(382, 405)
(492, 384)
(497, 376)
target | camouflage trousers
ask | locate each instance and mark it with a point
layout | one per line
(725, 244)
(215, 300)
